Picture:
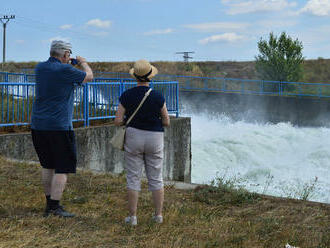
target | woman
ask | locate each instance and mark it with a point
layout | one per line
(144, 140)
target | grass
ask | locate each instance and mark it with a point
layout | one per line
(240, 219)
(303, 191)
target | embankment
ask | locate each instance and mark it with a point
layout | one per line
(96, 153)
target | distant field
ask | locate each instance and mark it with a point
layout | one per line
(315, 71)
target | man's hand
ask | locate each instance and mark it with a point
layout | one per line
(85, 67)
(81, 60)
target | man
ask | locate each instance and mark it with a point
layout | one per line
(51, 124)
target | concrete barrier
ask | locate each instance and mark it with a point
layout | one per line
(96, 153)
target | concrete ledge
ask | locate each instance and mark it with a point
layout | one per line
(181, 185)
(96, 153)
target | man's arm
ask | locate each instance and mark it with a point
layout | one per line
(85, 67)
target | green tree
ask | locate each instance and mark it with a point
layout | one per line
(280, 59)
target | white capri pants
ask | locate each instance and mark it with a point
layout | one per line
(144, 149)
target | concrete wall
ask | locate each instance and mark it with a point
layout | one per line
(255, 108)
(96, 153)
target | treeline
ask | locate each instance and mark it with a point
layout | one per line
(315, 71)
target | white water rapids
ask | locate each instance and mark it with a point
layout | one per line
(275, 159)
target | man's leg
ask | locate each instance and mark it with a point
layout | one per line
(58, 185)
(40, 143)
(47, 179)
(64, 160)
(57, 188)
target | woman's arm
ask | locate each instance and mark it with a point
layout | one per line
(119, 120)
(165, 116)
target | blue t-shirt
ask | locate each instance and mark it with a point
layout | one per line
(148, 117)
(53, 106)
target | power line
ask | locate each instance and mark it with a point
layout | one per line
(5, 19)
(80, 33)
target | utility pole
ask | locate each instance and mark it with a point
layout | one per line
(185, 55)
(5, 19)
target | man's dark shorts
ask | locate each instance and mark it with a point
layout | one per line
(56, 150)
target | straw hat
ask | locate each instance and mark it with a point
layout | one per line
(143, 71)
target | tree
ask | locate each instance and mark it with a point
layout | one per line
(280, 59)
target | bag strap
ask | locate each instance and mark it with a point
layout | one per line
(136, 110)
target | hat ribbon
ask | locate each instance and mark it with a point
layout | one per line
(143, 78)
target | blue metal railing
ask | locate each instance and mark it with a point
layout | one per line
(215, 84)
(241, 86)
(230, 85)
(248, 86)
(92, 101)
(16, 101)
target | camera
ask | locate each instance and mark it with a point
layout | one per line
(73, 61)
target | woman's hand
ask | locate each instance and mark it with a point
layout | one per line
(119, 120)
(165, 116)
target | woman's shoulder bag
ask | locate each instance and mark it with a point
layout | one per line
(118, 139)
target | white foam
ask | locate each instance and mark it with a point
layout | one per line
(276, 159)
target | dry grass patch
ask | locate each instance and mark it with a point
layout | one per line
(99, 200)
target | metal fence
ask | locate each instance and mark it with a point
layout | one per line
(16, 101)
(92, 101)
(246, 86)
(241, 86)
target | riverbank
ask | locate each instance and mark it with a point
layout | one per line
(201, 217)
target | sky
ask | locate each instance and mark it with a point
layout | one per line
(128, 30)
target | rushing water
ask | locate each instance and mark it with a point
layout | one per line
(275, 159)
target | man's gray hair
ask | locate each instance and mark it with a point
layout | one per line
(59, 47)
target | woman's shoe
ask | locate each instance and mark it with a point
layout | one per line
(158, 219)
(131, 220)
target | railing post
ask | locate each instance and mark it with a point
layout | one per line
(2, 103)
(177, 99)
(7, 93)
(121, 89)
(86, 105)
(27, 104)
(186, 83)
